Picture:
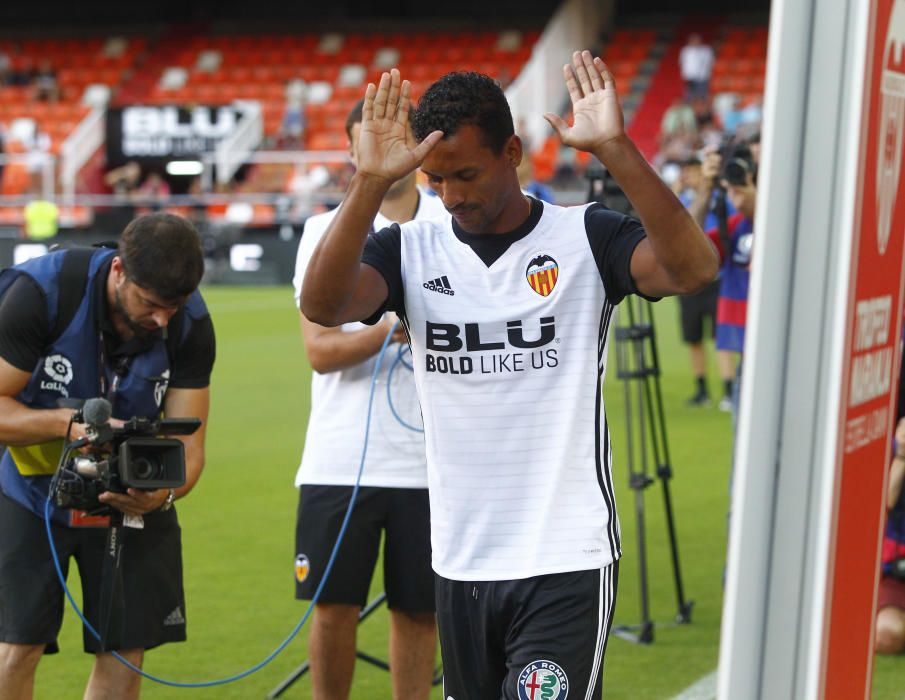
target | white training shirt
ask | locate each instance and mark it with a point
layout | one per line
(339, 400)
(509, 361)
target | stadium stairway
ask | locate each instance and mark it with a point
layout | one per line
(665, 86)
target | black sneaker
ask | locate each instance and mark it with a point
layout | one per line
(698, 399)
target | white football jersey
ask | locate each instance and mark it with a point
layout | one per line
(509, 362)
(339, 400)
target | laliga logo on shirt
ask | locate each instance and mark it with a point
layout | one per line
(892, 120)
(59, 369)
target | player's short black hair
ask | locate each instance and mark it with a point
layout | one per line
(162, 253)
(462, 98)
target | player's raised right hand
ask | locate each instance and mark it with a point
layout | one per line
(385, 147)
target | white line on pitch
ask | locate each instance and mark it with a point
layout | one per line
(703, 689)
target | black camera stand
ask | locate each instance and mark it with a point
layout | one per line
(373, 660)
(638, 366)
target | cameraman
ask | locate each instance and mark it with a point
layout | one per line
(734, 179)
(127, 325)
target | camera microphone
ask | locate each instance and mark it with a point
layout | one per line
(97, 411)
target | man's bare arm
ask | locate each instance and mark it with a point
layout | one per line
(338, 288)
(21, 425)
(332, 349)
(676, 257)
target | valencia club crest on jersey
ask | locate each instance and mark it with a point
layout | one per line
(542, 273)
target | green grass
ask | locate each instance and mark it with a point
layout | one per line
(238, 529)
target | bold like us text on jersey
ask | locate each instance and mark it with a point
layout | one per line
(486, 352)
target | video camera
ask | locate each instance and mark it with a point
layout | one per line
(138, 455)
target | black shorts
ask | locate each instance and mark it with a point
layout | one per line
(695, 308)
(31, 597)
(526, 639)
(404, 514)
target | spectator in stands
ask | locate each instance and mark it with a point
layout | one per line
(37, 158)
(123, 180)
(709, 133)
(6, 66)
(293, 129)
(750, 117)
(504, 77)
(44, 80)
(890, 632)
(699, 308)
(679, 120)
(754, 145)
(696, 65)
(153, 191)
(737, 176)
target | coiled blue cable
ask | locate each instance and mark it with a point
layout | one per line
(400, 360)
(339, 538)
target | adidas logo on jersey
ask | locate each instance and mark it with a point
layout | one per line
(441, 284)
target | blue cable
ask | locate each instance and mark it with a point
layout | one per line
(317, 593)
(400, 359)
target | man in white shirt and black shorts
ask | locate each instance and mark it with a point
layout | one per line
(509, 369)
(393, 496)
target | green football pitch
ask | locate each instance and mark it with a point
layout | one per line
(238, 530)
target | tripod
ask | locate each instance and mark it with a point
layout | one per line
(306, 665)
(638, 366)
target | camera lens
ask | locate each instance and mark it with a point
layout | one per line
(144, 468)
(736, 172)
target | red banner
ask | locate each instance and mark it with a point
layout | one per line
(873, 325)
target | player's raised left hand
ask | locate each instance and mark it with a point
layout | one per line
(597, 115)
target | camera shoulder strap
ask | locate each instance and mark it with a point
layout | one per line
(174, 335)
(72, 281)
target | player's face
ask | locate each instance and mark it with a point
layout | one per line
(142, 311)
(472, 180)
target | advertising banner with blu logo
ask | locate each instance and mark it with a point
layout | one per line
(154, 134)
